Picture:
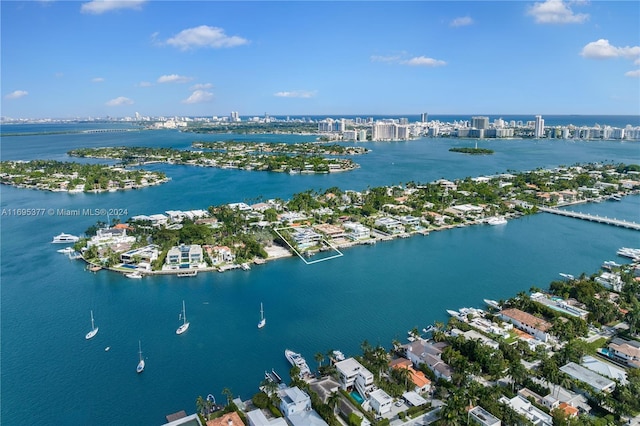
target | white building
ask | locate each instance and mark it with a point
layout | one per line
(539, 127)
(352, 374)
(380, 401)
(528, 410)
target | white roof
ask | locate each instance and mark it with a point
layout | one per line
(605, 369)
(414, 398)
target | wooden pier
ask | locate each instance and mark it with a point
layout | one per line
(593, 218)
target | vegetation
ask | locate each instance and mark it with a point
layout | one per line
(472, 151)
(63, 176)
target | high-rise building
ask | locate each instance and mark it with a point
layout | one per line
(480, 122)
(539, 127)
(424, 117)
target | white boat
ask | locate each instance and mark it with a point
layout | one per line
(567, 276)
(66, 250)
(263, 321)
(497, 220)
(245, 266)
(134, 275)
(188, 273)
(297, 360)
(338, 356)
(492, 303)
(615, 197)
(140, 367)
(65, 239)
(94, 329)
(428, 329)
(453, 313)
(632, 253)
(107, 348)
(185, 324)
(610, 264)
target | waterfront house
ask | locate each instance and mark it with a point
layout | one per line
(331, 231)
(184, 256)
(535, 326)
(422, 352)
(594, 380)
(220, 254)
(482, 417)
(295, 404)
(181, 419)
(474, 335)
(357, 231)
(390, 225)
(352, 374)
(305, 237)
(610, 281)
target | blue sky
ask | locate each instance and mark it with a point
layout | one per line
(65, 59)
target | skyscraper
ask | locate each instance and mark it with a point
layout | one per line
(480, 122)
(424, 117)
(539, 127)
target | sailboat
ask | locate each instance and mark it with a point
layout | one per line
(94, 329)
(185, 324)
(140, 367)
(263, 321)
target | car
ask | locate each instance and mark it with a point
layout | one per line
(398, 403)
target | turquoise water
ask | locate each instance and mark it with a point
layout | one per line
(357, 397)
(52, 375)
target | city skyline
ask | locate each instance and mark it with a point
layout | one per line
(107, 58)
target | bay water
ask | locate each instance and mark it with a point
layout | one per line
(52, 375)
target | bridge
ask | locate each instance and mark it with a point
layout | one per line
(109, 130)
(593, 218)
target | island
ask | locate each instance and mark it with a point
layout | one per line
(58, 176)
(243, 156)
(472, 151)
(312, 223)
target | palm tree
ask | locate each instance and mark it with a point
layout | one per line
(319, 357)
(200, 405)
(227, 392)
(333, 400)
(403, 374)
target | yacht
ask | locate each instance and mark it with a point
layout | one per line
(497, 220)
(185, 324)
(66, 250)
(632, 253)
(94, 329)
(297, 360)
(263, 320)
(610, 264)
(192, 273)
(492, 303)
(140, 367)
(65, 239)
(338, 356)
(453, 313)
(567, 276)
(134, 275)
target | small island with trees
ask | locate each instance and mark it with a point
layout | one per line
(472, 151)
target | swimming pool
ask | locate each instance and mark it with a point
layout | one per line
(357, 397)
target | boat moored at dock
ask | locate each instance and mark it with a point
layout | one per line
(298, 361)
(65, 239)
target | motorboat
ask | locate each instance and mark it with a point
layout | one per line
(497, 220)
(65, 239)
(134, 275)
(298, 361)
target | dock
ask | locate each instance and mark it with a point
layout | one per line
(593, 218)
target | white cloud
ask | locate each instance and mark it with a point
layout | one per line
(173, 78)
(97, 80)
(98, 7)
(601, 49)
(379, 58)
(121, 100)
(424, 62)
(296, 94)
(634, 73)
(555, 12)
(204, 36)
(199, 96)
(17, 94)
(461, 22)
(145, 84)
(202, 86)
